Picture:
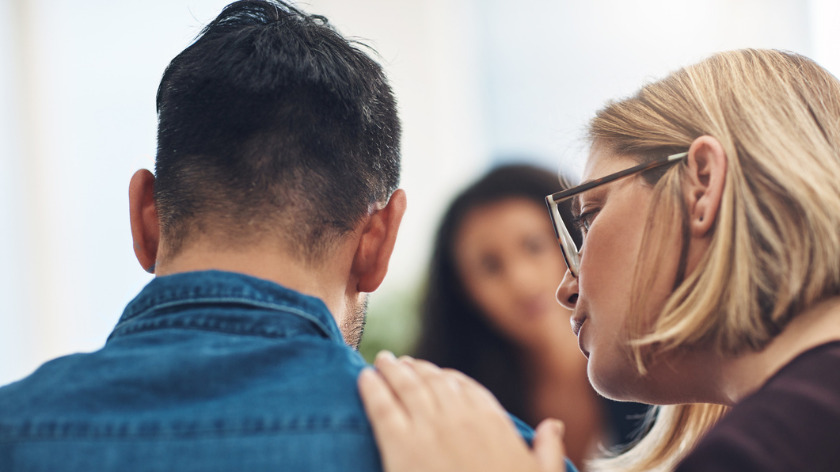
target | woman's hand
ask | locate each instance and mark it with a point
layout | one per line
(429, 419)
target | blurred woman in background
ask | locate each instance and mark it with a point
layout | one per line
(489, 308)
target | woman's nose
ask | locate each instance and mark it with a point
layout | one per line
(567, 292)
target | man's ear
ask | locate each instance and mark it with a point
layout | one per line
(376, 243)
(145, 228)
(703, 188)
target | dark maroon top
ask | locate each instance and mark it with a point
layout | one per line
(791, 424)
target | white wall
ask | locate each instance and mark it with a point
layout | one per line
(477, 80)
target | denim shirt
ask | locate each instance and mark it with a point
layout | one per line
(205, 371)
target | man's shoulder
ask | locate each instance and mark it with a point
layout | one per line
(297, 400)
(210, 369)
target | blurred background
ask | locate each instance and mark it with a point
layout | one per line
(479, 82)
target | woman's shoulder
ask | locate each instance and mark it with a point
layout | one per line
(791, 423)
(817, 367)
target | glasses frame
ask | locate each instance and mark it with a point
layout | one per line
(571, 253)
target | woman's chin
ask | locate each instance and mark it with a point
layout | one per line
(611, 382)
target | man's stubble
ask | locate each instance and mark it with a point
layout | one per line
(353, 325)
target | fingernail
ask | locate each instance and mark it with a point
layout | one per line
(387, 356)
(556, 426)
(367, 372)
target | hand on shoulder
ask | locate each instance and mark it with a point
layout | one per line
(431, 419)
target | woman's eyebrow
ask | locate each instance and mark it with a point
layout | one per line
(598, 193)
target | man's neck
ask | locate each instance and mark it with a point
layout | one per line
(266, 262)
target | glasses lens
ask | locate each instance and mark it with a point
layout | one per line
(565, 210)
(561, 216)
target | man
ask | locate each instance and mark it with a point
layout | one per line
(272, 212)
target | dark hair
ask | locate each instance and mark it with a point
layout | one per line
(271, 119)
(454, 332)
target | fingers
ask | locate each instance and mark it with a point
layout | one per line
(409, 388)
(548, 446)
(385, 411)
(427, 418)
(423, 389)
(442, 385)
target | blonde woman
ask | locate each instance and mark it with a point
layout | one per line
(708, 282)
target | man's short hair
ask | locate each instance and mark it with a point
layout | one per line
(271, 122)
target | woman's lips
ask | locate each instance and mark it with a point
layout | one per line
(577, 325)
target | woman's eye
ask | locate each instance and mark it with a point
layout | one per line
(490, 265)
(536, 244)
(584, 221)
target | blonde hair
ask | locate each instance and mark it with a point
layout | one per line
(775, 246)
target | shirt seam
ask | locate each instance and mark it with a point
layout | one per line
(123, 327)
(74, 431)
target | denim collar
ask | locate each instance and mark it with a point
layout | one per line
(255, 303)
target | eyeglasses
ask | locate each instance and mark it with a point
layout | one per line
(571, 252)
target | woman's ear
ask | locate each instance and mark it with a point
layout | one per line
(145, 228)
(703, 187)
